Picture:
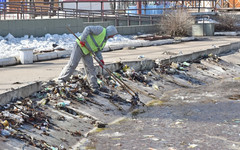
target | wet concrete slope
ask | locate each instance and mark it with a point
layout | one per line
(189, 105)
(192, 102)
(196, 108)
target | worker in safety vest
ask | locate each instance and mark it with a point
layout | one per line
(93, 38)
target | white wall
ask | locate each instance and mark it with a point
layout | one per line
(87, 5)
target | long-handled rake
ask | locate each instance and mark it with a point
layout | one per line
(135, 99)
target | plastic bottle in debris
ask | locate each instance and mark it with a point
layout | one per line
(73, 86)
(5, 132)
(186, 64)
(141, 56)
(67, 89)
(155, 87)
(174, 65)
(84, 94)
(80, 97)
(48, 89)
(181, 68)
(130, 71)
(63, 104)
(117, 84)
(4, 124)
(117, 75)
(17, 117)
(43, 101)
(100, 82)
(62, 92)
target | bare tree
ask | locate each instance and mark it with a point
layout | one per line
(176, 23)
(227, 22)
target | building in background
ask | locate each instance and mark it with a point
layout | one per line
(89, 5)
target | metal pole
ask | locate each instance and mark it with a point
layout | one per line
(139, 7)
(128, 19)
(76, 8)
(115, 19)
(41, 13)
(199, 5)
(17, 13)
(114, 6)
(139, 19)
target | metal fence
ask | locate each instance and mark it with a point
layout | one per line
(38, 10)
(115, 9)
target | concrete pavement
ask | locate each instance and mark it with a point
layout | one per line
(13, 77)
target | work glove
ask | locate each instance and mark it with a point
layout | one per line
(82, 43)
(102, 63)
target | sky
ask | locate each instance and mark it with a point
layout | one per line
(10, 46)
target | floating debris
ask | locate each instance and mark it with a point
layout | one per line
(155, 87)
(63, 104)
(192, 145)
(186, 64)
(236, 78)
(234, 97)
(141, 56)
(169, 53)
(155, 103)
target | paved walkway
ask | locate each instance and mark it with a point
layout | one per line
(19, 75)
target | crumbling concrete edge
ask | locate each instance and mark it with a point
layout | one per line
(195, 55)
(145, 64)
(227, 33)
(23, 91)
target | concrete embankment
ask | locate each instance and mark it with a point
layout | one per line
(178, 96)
(24, 81)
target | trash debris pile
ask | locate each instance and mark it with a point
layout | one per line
(77, 109)
(135, 76)
(14, 115)
(63, 96)
(75, 89)
(175, 67)
(30, 110)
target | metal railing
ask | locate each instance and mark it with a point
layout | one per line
(37, 10)
(40, 10)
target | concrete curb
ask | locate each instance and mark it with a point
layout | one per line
(227, 33)
(8, 61)
(195, 55)
(145, 64)
(23, 91)
(137, 65)
(66, 53)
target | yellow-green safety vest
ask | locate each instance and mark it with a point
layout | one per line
(96, 42)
